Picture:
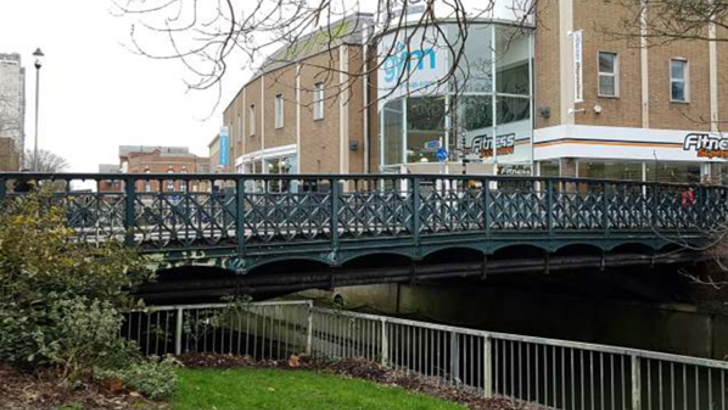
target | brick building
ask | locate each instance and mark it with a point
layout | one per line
(553, 96)
(157, 160)
(296, 116)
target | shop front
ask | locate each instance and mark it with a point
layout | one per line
(475, 119)
(635, 154)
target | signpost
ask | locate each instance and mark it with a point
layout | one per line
(442, 155)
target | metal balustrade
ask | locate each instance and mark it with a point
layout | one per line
(553, 373)
(253, 211)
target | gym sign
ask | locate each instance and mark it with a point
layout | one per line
(706, 145)
(483, 146)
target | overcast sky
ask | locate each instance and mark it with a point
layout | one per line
(97, 95)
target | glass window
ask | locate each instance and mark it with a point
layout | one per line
(474, 73)
(251, 120)
(513, 50)
(279, 111)
(608, 74)
(550, 168)
(147, 183)
(319, 96)
(679, 80)
(473, 124)
(170, 182)
(513, 109)
(393, 132)
(621, 170)
(240, 131)
(183, 183)
(673, 172)
(425, 124)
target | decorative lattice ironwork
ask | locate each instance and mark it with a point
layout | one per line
(242, 212)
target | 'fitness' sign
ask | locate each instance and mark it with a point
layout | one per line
(707, 145)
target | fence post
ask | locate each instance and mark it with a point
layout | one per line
(488, 368)
(178, 333)
(309, 333)
(550, 206)
(455, 357)
(486, 205)
(636, 383)
(240, 217)
(335, 196)
(385, 343)
(416, 203)
(129, 211)
(605, 208)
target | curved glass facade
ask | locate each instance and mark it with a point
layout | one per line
(488, 94)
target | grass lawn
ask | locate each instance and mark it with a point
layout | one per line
(234, 389)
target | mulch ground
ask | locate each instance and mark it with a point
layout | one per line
(41, 390)
(358, 368)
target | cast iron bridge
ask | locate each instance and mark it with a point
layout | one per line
(245, 223)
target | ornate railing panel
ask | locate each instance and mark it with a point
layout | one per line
(163, 212)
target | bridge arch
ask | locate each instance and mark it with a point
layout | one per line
(193, 270)
(580, 249)
(633, 247)
(376, 258)
(300, 263)
(459, 253)
(519, 250)
(671, 247)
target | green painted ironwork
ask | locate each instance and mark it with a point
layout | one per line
(256, 219)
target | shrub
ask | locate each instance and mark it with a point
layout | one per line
(85, 333)
(60, 299)
(152, 377)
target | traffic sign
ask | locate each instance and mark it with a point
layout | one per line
(442, 155)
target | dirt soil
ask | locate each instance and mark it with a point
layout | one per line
(21, 390)
(359, 368)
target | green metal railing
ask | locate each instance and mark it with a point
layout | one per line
(245, 212)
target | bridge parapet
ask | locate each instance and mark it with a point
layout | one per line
(333, 218)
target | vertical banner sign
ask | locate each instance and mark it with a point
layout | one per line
(224, 146)
(576, 38)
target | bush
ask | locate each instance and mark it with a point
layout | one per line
(86, 333)
(60, 299)
(153, 377)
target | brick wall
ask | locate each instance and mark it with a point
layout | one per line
(9, 158)
(320, 138)
(547, 63)
(282, 81)
(665, 114)
(626, 109)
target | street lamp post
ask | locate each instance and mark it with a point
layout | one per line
(38, 63)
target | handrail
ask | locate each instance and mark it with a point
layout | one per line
(531, 339)
(322, 177)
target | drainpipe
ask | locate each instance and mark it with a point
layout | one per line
(366, 97)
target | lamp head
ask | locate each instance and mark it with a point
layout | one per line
(38, 58)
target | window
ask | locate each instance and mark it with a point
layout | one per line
(240, 129)
(318, 101)
(279, 111)
(251, 120)
(183, 183)
(170, 182)
(147, 183)
(679, 80)
(608, 75)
